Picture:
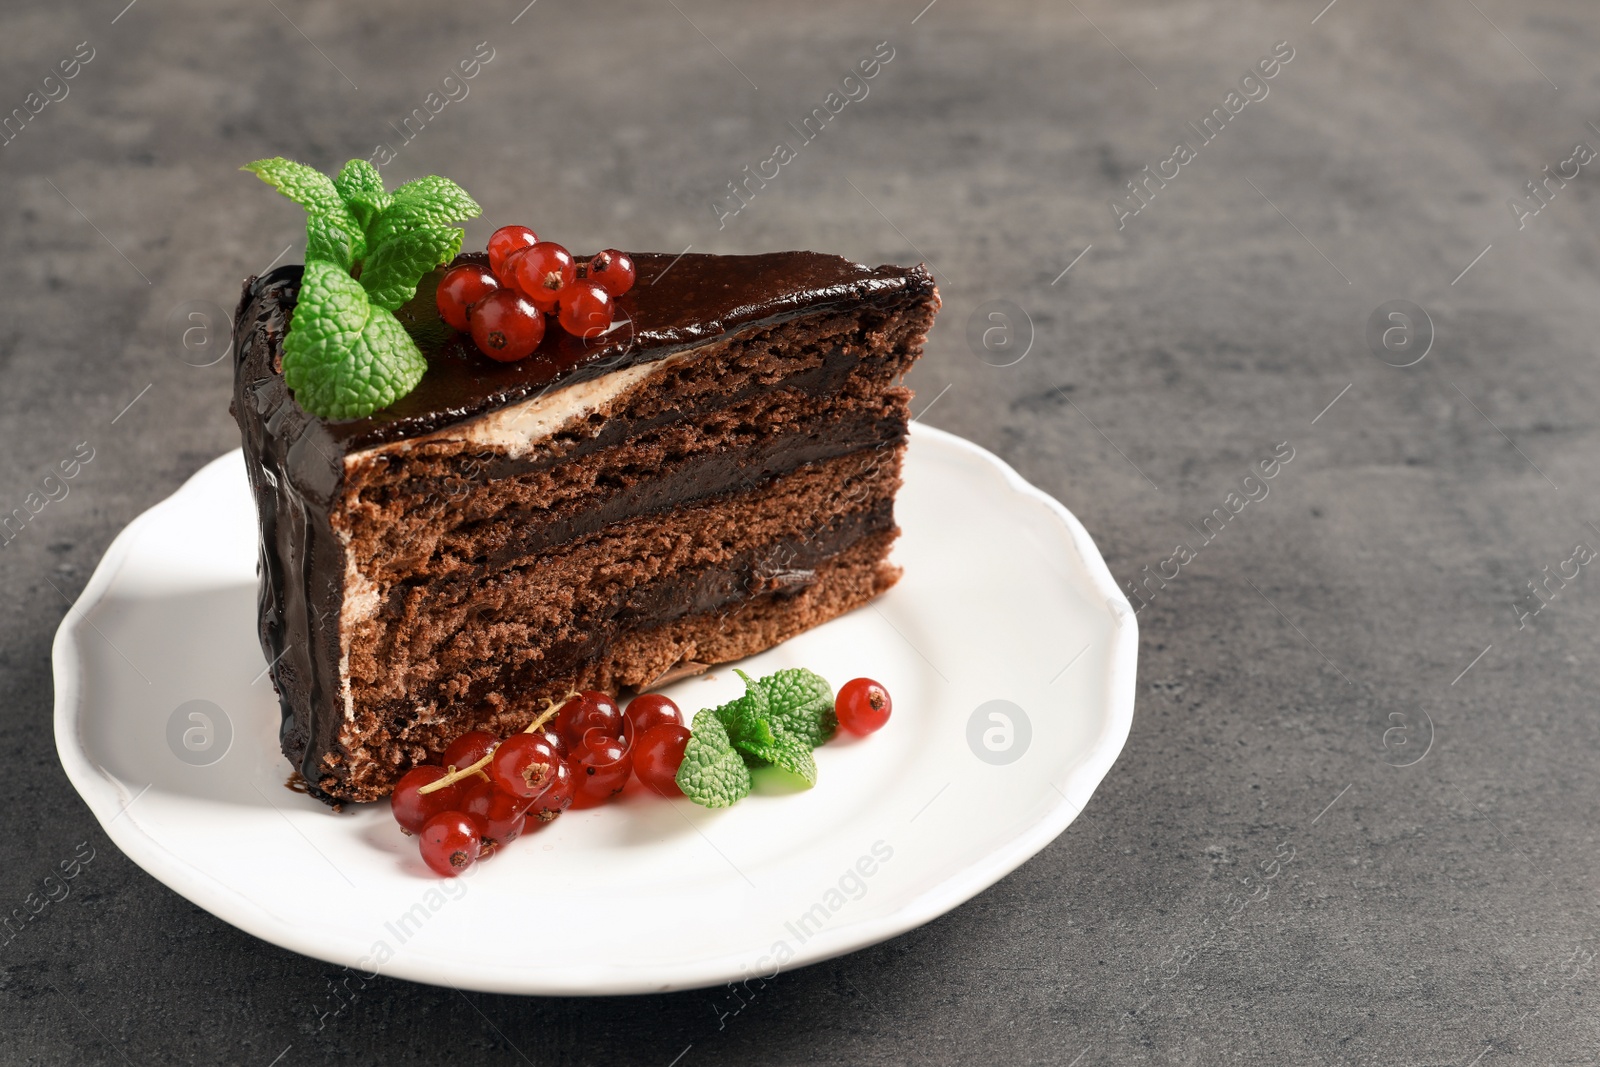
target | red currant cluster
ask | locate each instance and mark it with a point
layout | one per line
(504, 306)
(485, 792)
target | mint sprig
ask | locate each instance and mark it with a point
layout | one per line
(712, 773)
(801, 703)
(746, 718)
(756, 726)
(361, 189)
(346, 355)
(778, 720)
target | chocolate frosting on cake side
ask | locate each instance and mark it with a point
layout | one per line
(295, 460)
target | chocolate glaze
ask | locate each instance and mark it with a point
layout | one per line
(295, 460)
(675, 303)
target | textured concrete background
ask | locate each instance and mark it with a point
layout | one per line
(1438, 913)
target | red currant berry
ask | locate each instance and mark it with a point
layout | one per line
(459, 289)
(506, 276)
(523, 765)
(501, 812)
(542, 272)
(651, 710)
(862, 706)
(601, 765)
(506, 327)
(557, 742)
(506, 240)
(451, 842)
(657, 756)
(613, 270)
(589, 710)
(469, 748)
(556, 799)
(411, 808)
(585, 310)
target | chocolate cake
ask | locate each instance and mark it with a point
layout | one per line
(713, 476)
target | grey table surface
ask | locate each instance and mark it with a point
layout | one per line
(1373, 608)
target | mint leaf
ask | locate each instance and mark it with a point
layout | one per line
(425, 203)
(386, 366)
(329, 315)
(786, 751)
(800, 704)
(343, 357)
(393, 269)
(757, 734)
(712, 774)
(745, 718)
(332, 240)
(361, 189)
(442, 195)
(306, 186)
(332, 231)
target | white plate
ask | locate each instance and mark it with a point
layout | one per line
(1004, 598)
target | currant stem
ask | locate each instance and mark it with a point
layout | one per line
(456, 775)
(550, 708)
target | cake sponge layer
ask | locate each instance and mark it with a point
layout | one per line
(709, 421)
(374, 750)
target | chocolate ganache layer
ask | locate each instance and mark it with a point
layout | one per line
(306, 472)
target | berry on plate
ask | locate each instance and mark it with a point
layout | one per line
(650, 710)
(411, 809)
(863, 706)
(554, 800)
(589, 710)
(501, 812)
(468, 749)
(601, 764)
(524, 765)
(451, 842)
(658, 755)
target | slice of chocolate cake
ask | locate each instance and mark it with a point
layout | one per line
(714, 475)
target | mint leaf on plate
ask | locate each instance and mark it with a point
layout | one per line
(800, 704)
(712, 773)
(745, 718)
(786, 751)
(343, 357)
(757, 733)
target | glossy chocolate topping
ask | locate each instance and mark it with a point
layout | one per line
(676, 302)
